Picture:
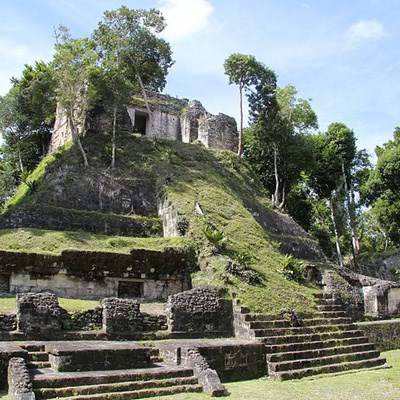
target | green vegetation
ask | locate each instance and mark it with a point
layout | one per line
(379, 384)
(32, 181)
(54, 242)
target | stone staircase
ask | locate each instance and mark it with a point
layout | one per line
(328, 344)
(154, 381)
(115, 384)
(37, 356)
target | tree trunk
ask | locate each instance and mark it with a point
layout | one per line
(277, 186)
(339, 252)
(113, 138)
(146, 100)
(75, 137)
(21, 165)
(240, 144)
(282, 203)
(351, 215)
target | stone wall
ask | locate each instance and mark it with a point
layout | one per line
(8, 322)
(385, 334)
(38, 314)
(121, 316)
(233, 359)
(202, 311)
(87, 320)
(362, 296)
(94, 275)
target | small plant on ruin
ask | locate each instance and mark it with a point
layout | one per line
(293, 269)
(290, 314)
(214, 235)
(243, 258)
(244, 274)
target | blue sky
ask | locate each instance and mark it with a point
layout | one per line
(343, 54)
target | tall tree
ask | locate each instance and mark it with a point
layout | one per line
(133, 55)
(382, 190)
(246, 72)
(281, 151)
(74, 64)
(27, 116)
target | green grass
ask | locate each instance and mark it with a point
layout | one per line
(8, 304)
(380, 384)
(54, 242)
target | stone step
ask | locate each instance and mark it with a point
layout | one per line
(140, 394)
(290, 347)
(330, 307)
(133, 386)
(304, 323)
(38, 364)
(330, 302)
(333, 314)
(326, 369)
(38, 356)
(43, 378)
(302, 330)
(317, 353)
(323, 296)
(33, 347)
(284, 339)
(259, 317)
(321, 361)
(326, 321)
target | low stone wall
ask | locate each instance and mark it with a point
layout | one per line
(20, 385)
(201, 312)
(207, 376)
(39, 316)
(385, 334)
(87, 320)
(232, 359)
(8, 322)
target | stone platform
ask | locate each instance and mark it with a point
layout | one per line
(96, 356)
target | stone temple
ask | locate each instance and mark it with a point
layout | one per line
(171, 118)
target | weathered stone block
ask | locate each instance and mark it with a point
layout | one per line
(121, 316)
(38, 313)
(202, 310)
(97, 356)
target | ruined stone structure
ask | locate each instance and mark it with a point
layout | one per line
(202, 311)
(170, 118)
(143, 274)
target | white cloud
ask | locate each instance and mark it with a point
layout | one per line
(363, 30)
(185, 17)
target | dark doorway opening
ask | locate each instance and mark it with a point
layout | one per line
(130, 290)
(140, 123)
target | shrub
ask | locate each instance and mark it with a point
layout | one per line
(214, 235)
(294, 269)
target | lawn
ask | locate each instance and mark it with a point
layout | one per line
(379, 384)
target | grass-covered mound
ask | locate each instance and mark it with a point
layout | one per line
(221, 210)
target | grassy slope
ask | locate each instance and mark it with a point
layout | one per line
(187, 174)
